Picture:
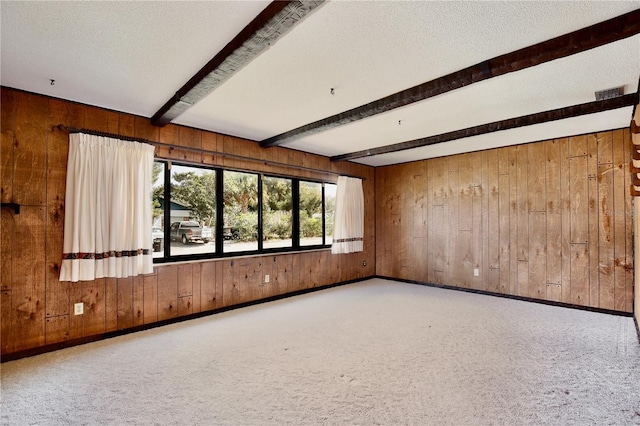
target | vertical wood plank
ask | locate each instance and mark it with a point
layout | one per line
(578, 187)
(619, 227)
(605, 236)
(30, 152)
(167, 292)
(523, 205)
(6, 166)
(578, 146)
(111, 304)
(125, 303)
(579, 274)
(6, 248)
(150, 309)
(28, 277)
(197, 291)
(524, 202)
(566, 220)
(554, 218)
(536, 175)
(504, 220)
(138, 300)
(185, 280)
(537, 281)
(7, 342)
(593, 221)
(57, 329)
(92, 296)
(513, 220)
(209, 298)
(185, 305)
(452, 273)
(493, 234)
(629, 261)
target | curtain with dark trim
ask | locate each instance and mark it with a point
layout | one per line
(348, 231)
(108, 212)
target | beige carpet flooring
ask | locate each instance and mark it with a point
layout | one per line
(373, 353)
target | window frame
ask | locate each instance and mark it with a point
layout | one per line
(219, 253)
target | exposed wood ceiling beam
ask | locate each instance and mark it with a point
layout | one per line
(615, 29)
(511, 123)
(275, 20)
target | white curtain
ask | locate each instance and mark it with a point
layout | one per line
(348, 230)
(107, 224)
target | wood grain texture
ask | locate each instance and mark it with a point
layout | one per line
(619, 227)
(167, 292)
(537, 220)
(593, 219)
(554, 216)
(28, 277)
(150, 299)
(30, 151)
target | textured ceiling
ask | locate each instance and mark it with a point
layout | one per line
(133, 56)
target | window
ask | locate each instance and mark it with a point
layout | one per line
(277, 212)
(192, 211)
(329, 210)
(157, 208)
(311, 219)
(240, 193)
(249, 211)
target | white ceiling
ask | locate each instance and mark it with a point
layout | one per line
(133, 56)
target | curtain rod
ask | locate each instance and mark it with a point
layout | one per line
(198, 150)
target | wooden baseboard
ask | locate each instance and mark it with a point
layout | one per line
(510, 296)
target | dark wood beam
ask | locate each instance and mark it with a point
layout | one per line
(569, 44)
(275, 20)
(511, 123)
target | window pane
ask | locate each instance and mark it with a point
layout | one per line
(240, 194)
(277, 213)
(157, 207)
(193, 210)
(329, 209)
(310, 213)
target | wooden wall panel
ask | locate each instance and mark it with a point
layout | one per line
(7, 342)
(150, 299)
(30, 152)
(593, 219)
(167, 292)
(493, 221)
(37, 309)
(138, 300)
(619, 226)
(111, 304)
(554, 220)
(210, 287)
(28, 277)
(503, 220)
(546, 220)
(125, 303)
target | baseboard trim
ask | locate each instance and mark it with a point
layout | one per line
(108, 335)
(510, 296)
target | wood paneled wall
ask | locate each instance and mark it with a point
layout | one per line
(37, 309)
(549, 220)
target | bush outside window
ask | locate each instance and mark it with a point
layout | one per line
(251, 212)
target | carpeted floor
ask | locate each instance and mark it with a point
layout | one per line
(376, 352)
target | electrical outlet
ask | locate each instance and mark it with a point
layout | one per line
(78, 308)
(266, 278)
(364, 263)
(476, 272)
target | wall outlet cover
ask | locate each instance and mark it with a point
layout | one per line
(78, 308)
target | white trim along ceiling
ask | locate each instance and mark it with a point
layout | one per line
(134, 56)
